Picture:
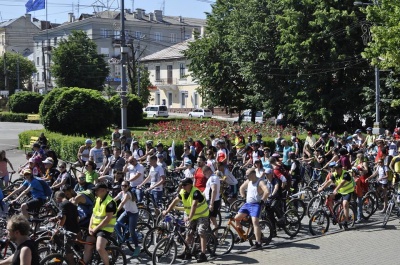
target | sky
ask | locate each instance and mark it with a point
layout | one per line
(57, 10)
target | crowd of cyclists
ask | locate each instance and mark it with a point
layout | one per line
(114, 187)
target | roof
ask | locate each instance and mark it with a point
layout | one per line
(173, 52)
(7, 23)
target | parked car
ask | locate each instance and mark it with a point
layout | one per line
(200, 113)
(156, 111)
(246, 116)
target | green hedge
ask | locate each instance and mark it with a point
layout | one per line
(13, 117)
(66, 147)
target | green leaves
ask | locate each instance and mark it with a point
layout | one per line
(76, 63)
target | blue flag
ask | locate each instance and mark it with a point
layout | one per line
(33, 5)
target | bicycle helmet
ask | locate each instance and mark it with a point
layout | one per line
(324, 135)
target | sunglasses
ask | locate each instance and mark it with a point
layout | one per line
(184, 185)
(124, 186)
(61, 166)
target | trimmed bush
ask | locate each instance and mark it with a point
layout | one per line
(76, 111)
(13, 117)
(134, 110)
(25, 102)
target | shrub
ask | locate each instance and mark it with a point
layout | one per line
(25, 102)
(13, 117)
(66, 147)
(134, 110)
(76, 111)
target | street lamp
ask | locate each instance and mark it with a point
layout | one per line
(138, 68)
(365, 27)
(17, 68)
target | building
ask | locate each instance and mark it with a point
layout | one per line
(16, 35)
(146, 33)
(173, 84)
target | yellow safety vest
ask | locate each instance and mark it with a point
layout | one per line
(201, 209)
(99, 214)
(239, 145)
(347, 187)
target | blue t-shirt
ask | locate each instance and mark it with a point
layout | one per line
(37, 188)
(265, 163)
(286, 151)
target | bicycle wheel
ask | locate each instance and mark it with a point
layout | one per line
(152, 237)
(145, 217)
(235, 206)
(44, 252)
(266, 232)
(387, 214)
(314, 205)
(53, 259)
(225, 240)
(115, 256)
(297, 205)
(341, 216)
(292, 223)
(378, 204)
(368, 207)
(313, 184)
(319, 223)
(164, 252)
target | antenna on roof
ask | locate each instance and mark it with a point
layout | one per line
(163, 7)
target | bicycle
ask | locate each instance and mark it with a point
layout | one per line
(225, 236)
(392, 203)
(124, 237)
(165, 252)
(115, 254)
(319, 221)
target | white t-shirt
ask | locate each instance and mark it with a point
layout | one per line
(212, 180)
(210, 163)
(132, 171)
(260, 172)
(97, 154)
(230, 178)
(137, 153)
(129, 206)
(155, 176)
(255, 157)
(381, 173)
(189, 173)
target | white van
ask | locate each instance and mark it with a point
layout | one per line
(156, 111)
(246, 116)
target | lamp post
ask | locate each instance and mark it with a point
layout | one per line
(138, 68)
(365, 27)
(17, 68)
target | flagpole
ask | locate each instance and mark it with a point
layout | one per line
(47, 48)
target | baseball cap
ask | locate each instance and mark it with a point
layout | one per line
(187, 181)
(293, 138)
(358, 131)
(27, 171)
(369, 129)
(100, 185)
(188, 162)
(31, 160)
(88, 141)
(48, 160)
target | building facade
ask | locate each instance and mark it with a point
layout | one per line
(173, 85)
(146, 33)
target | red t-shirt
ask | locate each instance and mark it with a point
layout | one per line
(199, 180)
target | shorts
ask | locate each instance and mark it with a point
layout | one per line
(34, 205)
(201, 225)
(252, 209)
(103, 234)
(217, 207)
(346, 197)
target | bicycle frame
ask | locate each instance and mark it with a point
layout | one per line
(243, 236)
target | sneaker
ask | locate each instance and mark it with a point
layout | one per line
(136, 252)
(202, 258)
(345, 225)
(358, 221)
(256, 246)
(383, 211)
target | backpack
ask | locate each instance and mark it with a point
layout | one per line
(45, 187)
(71, 180)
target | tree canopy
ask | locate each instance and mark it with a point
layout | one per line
(302, 58)
(15, 61)
(76, 63)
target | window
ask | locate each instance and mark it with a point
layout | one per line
(182, 71)
(37, 77)
(183, 99)
(55, 41)
(169, 74)
(158, 73)
(138, 35)
(117, 34)
(158, 99)
(2, 40)
(173, 37)
(105, 33)
(38, 60)
(43, 79)
(196, 100)
(187, 36)
(169, 99)
(157, 36)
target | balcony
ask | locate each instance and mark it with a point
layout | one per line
(116, 42)
(166, 83)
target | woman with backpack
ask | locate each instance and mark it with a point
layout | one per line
(130, 215)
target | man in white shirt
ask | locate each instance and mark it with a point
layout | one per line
(135, 176)
(96, 154)
(212, 195)
(136, 151)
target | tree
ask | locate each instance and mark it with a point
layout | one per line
(134, 109)
(15, 61)
(25, 102)
(76, 63)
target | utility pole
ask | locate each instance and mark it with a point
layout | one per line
(138, 68)
(124, 54)
(5, 72)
